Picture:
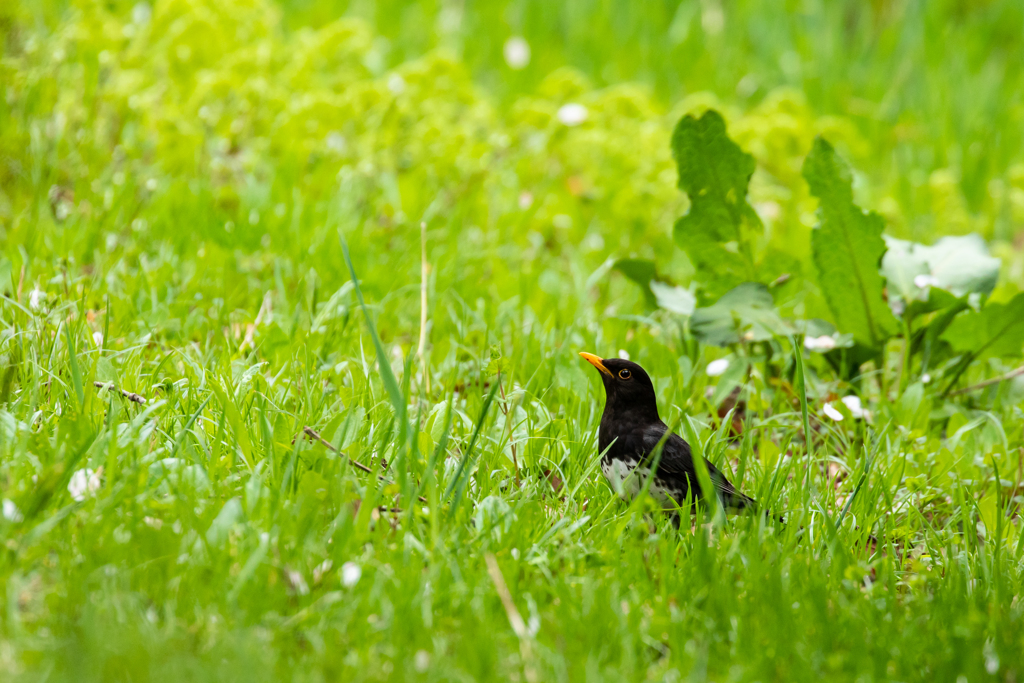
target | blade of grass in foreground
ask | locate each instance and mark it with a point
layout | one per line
(458, 483)
(76, 373)
(801, 388)
(386, 374)
(391, 385)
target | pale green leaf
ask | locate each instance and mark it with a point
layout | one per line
(958, 265)
(674, 298)
(744, 313)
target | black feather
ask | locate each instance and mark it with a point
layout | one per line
(631, 430)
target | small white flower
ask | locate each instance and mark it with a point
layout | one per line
(718, 367)
(853, 404)
(35, 299)
(926, 378)
(517, 52)
(833, 413)
(97, 338)
(623, 354)
(153, 522)
(151, 184)
(572, 114)
(822, 343)
(11, 511)
(525, 200)
(422, 660)
(350, 574)
(83, 483)
(925, 281)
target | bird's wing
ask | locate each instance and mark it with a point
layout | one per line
(677, 462)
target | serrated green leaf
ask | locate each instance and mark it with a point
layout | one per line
(746, 312)
(847, 248)
(721, 228)
(995, 330)
(496, 365)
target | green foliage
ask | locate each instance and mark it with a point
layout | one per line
(958, 265)
(173, 179)
(673, 298)
(995, 330)
(746, 313)
(720, 231)
(847, 247)
(642, 272)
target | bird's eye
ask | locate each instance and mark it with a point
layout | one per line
(625, 374)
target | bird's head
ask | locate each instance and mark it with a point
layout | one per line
(627, 386)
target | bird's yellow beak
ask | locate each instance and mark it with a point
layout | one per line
(596, 362)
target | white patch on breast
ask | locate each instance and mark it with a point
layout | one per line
(627, 480)
(619, 475)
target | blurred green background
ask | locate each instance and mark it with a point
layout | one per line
(174, 177)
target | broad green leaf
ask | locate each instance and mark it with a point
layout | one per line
(721, 228)
(958, 265)
(746, 312)
(847, 248)
(674, 298)
(962, 265)
(640, 271)
(902, 264)
(995, 330)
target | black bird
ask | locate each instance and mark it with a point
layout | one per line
(630, 431)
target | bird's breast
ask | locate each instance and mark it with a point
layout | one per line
(627, 479)
(619, 473)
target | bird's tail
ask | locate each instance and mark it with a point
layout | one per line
(734, 500)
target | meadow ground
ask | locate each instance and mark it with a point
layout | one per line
(222, 459)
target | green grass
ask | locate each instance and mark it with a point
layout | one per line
(173, 200)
